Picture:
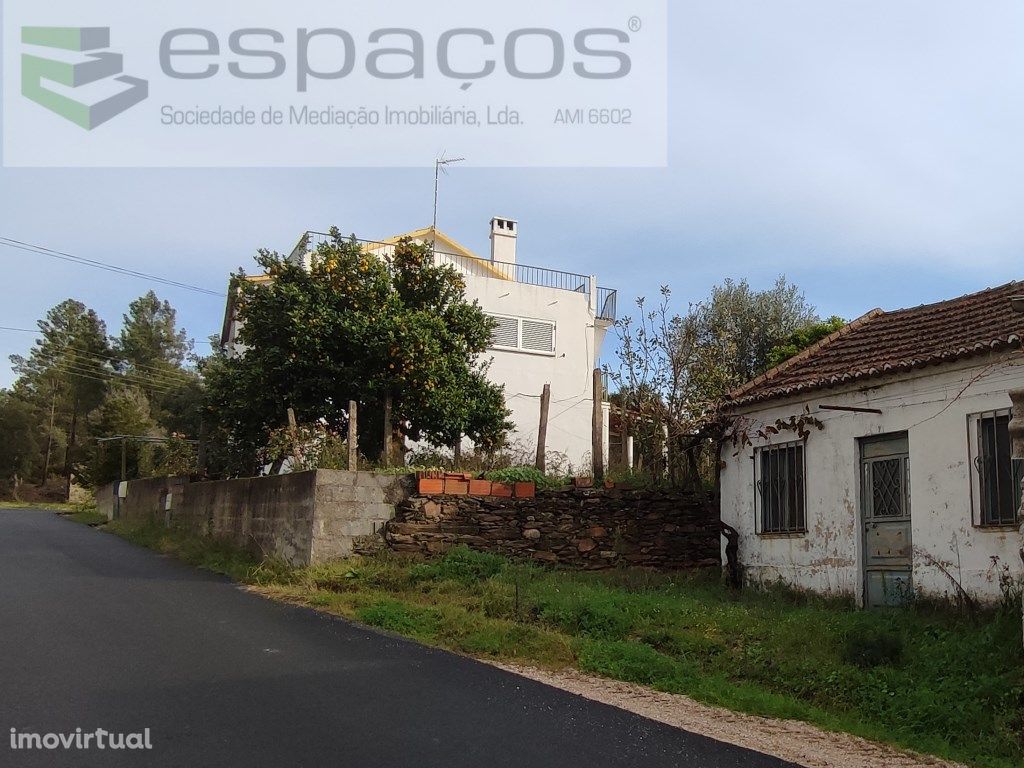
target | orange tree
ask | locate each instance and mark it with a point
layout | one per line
(354, 325)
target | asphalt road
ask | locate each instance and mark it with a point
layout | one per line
(97, 633)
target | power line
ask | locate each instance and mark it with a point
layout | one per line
(110, 377)
(44, 251)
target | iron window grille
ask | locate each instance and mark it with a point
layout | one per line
(781, 489)
(999, 474)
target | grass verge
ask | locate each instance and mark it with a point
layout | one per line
(924, 678)
(54, 506)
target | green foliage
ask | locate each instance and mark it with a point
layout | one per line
(803, 338)
(525, 475)
(19, 437)
(356, 326)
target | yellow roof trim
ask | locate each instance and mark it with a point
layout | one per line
(454, 245)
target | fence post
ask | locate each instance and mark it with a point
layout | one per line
(353, 436)
(542, 431)
(597, 426)
(293, 433)
(388, 431)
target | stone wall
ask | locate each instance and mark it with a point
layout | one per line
(588, 529)
(302, 518)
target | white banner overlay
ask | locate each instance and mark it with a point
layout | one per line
(564, 83)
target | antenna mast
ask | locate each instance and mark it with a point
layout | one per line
(440, 165)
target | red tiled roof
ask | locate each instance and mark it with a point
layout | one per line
(881, 343)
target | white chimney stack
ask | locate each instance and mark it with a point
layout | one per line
(504, 233)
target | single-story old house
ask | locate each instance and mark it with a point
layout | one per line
(878, 463)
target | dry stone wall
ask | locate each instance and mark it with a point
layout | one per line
(586, 529)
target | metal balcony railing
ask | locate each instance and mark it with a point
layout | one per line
(468, 265)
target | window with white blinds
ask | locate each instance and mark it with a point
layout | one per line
(526, 335)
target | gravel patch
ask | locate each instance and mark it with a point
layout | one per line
(789, 740)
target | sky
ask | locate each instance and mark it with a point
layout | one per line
(869, 151)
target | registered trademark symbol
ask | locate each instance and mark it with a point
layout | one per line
(635, 23)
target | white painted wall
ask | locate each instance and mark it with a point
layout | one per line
(929, 405)
(578, 341)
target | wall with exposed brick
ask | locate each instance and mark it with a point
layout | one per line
(588, 529)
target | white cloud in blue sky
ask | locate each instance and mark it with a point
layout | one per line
(869, 150)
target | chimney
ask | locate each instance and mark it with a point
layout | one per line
(504, 233)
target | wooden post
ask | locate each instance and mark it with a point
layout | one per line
(542, 431)
(388, 431)
(597, 427)
(353, 436)
(624, 433)
(293, 433)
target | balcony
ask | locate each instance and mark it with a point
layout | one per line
(607, 298)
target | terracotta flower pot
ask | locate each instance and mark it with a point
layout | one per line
(525, 490)
(430, 487)
(501, 490)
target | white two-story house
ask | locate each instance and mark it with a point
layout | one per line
(551, 327)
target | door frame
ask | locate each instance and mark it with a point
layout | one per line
(900, 442)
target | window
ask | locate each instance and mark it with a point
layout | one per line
(998, 474)
(527, 335)
(780, 488)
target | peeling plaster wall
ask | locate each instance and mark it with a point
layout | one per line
(931, 408)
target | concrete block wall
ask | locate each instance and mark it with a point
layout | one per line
(303, 518)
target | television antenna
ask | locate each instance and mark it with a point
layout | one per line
(441, 166)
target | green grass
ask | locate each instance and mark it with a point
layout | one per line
(87, 517)
(925, 679)
(54, 505)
